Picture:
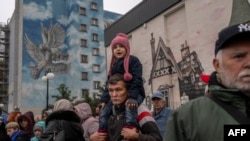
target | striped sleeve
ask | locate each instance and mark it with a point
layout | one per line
(144, 115)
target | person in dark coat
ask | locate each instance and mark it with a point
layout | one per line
(3, 133)
(228, 98)
(14, 132)
(63, 124)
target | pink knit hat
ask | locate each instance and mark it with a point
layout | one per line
(122, 39)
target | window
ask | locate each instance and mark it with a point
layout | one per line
(94, 22)
(83, 27)
(96, 68)
(84, 58)
(95, 51)
(94, 6)
(82, 11)
(83, 43)
(161, 59)
(84, 75)
(97, 84)
(85, 92)
(95, 37)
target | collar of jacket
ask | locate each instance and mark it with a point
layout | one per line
(67, 115)
(118, 110)
(233, 97)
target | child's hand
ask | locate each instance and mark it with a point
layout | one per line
(131, 103)
(102, 105)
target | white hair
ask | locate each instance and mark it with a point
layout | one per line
(219, 56)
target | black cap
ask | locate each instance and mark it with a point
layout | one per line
(229, 32)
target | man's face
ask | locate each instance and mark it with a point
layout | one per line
(234, 67)
(157, 103)
(10, 131)
(118, 92)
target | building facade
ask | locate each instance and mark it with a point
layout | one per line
(4, 59)
(62, 37)
(175, 40)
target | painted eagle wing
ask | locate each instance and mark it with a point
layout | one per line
(44, 33)
(33, 50)
(59, 68)
(56, 36)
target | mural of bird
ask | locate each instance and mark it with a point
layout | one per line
(44, 53)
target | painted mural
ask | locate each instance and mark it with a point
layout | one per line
(48, 55)
(52, 41)
(188, 65)
(188, 71)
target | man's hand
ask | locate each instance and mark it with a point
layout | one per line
(130, 134)
(131, 103)
(99, 136)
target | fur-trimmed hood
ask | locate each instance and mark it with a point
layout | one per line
(63, 115)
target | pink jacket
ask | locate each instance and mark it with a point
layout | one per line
(89, 124)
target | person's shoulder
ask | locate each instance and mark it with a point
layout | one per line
(66, 115)
(167, 110)
(132, 57)
(194, 105)
(23, 133)
(34, 139)
(196, 101)
(134, 60)
(23, 136)
(91, 120)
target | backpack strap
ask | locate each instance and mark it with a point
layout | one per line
(233, 111)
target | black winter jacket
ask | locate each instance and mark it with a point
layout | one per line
(23, 136)
(148, 130)
(63, 125)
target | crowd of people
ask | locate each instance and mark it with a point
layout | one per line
(123, 116)
(20, 126)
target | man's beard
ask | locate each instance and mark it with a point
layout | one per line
(240, 82)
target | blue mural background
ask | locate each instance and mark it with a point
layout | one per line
(66, 14)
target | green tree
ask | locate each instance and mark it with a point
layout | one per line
(64, 93)
(93, 102)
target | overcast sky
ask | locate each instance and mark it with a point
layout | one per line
(118, 6)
